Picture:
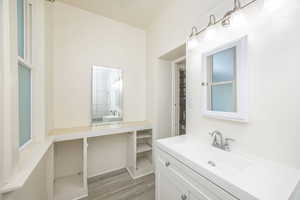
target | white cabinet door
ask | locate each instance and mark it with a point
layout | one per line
(195, 186)
(168, 188)
(196, 196)
(171, 186)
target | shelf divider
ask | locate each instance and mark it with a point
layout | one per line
(143, 147)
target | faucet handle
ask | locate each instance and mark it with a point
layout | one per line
(227, 140)
(227, 143)
(212, 134)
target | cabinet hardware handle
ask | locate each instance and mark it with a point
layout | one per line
(167, 164)
(183, 197)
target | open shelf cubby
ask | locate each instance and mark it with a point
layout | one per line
(143, 147)
(144, 134)
(69, 187)
(141, 163)
(144, 152)
(144, 163)
(144, 141)
(69, 173)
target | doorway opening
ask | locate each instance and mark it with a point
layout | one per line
(179, 96)
(176, 63)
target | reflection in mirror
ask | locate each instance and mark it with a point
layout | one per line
(106, 95)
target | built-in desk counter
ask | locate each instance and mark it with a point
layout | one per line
(84, 152)
(65, 134)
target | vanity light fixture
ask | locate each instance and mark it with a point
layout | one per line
(194, 32)
(225, 20)
(193, 41)
(210, 30)
(212, 20)
(273, 5)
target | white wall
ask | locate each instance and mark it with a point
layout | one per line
(1, 92)
(35, 187)
(10, 132)
(68, 158)
(273, 129)
(49, 65)
(107, 153)
(82, 39)
(167, 33)
(12, 156)
(160, 99)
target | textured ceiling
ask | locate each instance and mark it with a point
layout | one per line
(137, 13)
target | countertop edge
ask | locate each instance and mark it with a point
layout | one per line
(225, 184)
(19, 178)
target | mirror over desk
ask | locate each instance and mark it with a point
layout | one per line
(106, 95)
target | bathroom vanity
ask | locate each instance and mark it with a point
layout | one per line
(78, 155)
(187, 169)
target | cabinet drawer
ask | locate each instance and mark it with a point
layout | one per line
(209, 189)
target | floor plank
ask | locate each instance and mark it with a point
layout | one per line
(120, 186)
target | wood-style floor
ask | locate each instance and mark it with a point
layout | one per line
(120, 186)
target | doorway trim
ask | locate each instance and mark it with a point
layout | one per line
(175, 114)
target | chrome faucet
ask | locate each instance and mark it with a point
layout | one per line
(114, 112)
(220, 142)
(217, 138)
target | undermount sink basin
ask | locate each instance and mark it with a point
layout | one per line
(215, 159)
(227, 162)
(245, 176)
(111, 118)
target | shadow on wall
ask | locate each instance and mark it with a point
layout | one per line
(162, 92)
(37, 185)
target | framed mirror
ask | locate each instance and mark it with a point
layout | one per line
(107, 103)
(226, 81)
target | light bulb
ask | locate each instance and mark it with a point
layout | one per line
(210, 33)
(237, 19)
(273, 5)
(193, 43)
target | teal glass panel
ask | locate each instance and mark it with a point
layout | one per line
(223, 98)
(24, 104)
(223, 65)
(21, 28)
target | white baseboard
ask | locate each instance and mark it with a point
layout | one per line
(130, 172)
(139, 176)
(105, 172)
(82, 196)
(116, 169)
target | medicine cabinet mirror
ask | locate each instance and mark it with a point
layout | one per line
(225, 82)
(106, 95)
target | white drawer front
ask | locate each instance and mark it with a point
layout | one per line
(199, 183)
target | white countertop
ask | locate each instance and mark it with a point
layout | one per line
(258, 179)
(38, 150)
(99, 130)
(26, 166)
